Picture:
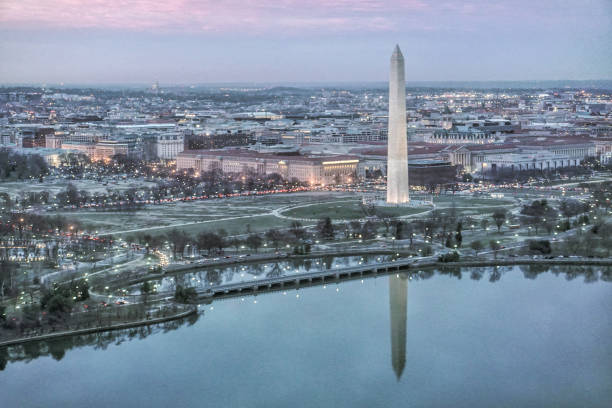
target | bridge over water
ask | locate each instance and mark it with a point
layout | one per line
(305, 279)
(371, 270)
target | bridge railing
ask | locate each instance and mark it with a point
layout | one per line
(309, 275)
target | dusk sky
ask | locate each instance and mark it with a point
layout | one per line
(205, 41)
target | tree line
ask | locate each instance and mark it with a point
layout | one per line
(15, 166)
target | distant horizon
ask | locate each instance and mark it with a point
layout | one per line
(512, 84)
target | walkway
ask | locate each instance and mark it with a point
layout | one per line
(361, 271)
(183, 224)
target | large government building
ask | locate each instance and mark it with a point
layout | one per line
(313, 170)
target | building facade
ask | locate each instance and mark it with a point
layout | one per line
(313, 170)
(169, 146)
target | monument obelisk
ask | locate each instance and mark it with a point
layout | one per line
(397, 143)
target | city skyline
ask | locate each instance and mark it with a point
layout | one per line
(187, 42)
(226, 203)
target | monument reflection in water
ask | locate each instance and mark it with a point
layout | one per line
(398, 302)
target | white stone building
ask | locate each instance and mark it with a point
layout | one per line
(168, 146)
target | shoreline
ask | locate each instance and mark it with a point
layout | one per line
(296, 281)
(119, 326)
(407, 267)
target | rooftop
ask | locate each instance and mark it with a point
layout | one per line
(264, 156)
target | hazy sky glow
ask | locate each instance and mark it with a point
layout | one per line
(199, 41)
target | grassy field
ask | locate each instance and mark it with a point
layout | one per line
(471, 211)
(351, 209)
(469, 202)
(573, 182)
(160, 215)
(197, 212)
(233, 215)
(346, 210)
(235, 226)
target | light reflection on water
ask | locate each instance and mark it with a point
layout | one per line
(521, 336)
(214, 276)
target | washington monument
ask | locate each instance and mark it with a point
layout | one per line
(397, 144)
(398, 302)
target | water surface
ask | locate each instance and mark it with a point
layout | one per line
(494, 338)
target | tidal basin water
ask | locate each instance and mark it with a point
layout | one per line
(514, 337)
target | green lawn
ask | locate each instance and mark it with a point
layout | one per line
(462, 201)
(462, 212)
(232, 226)
(347, 210)
(234, 215)
(159, 215)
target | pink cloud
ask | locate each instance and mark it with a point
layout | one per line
(205, 15)
(272, 16)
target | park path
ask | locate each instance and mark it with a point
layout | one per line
(279, 212)
(184, 224)
(116, 268)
